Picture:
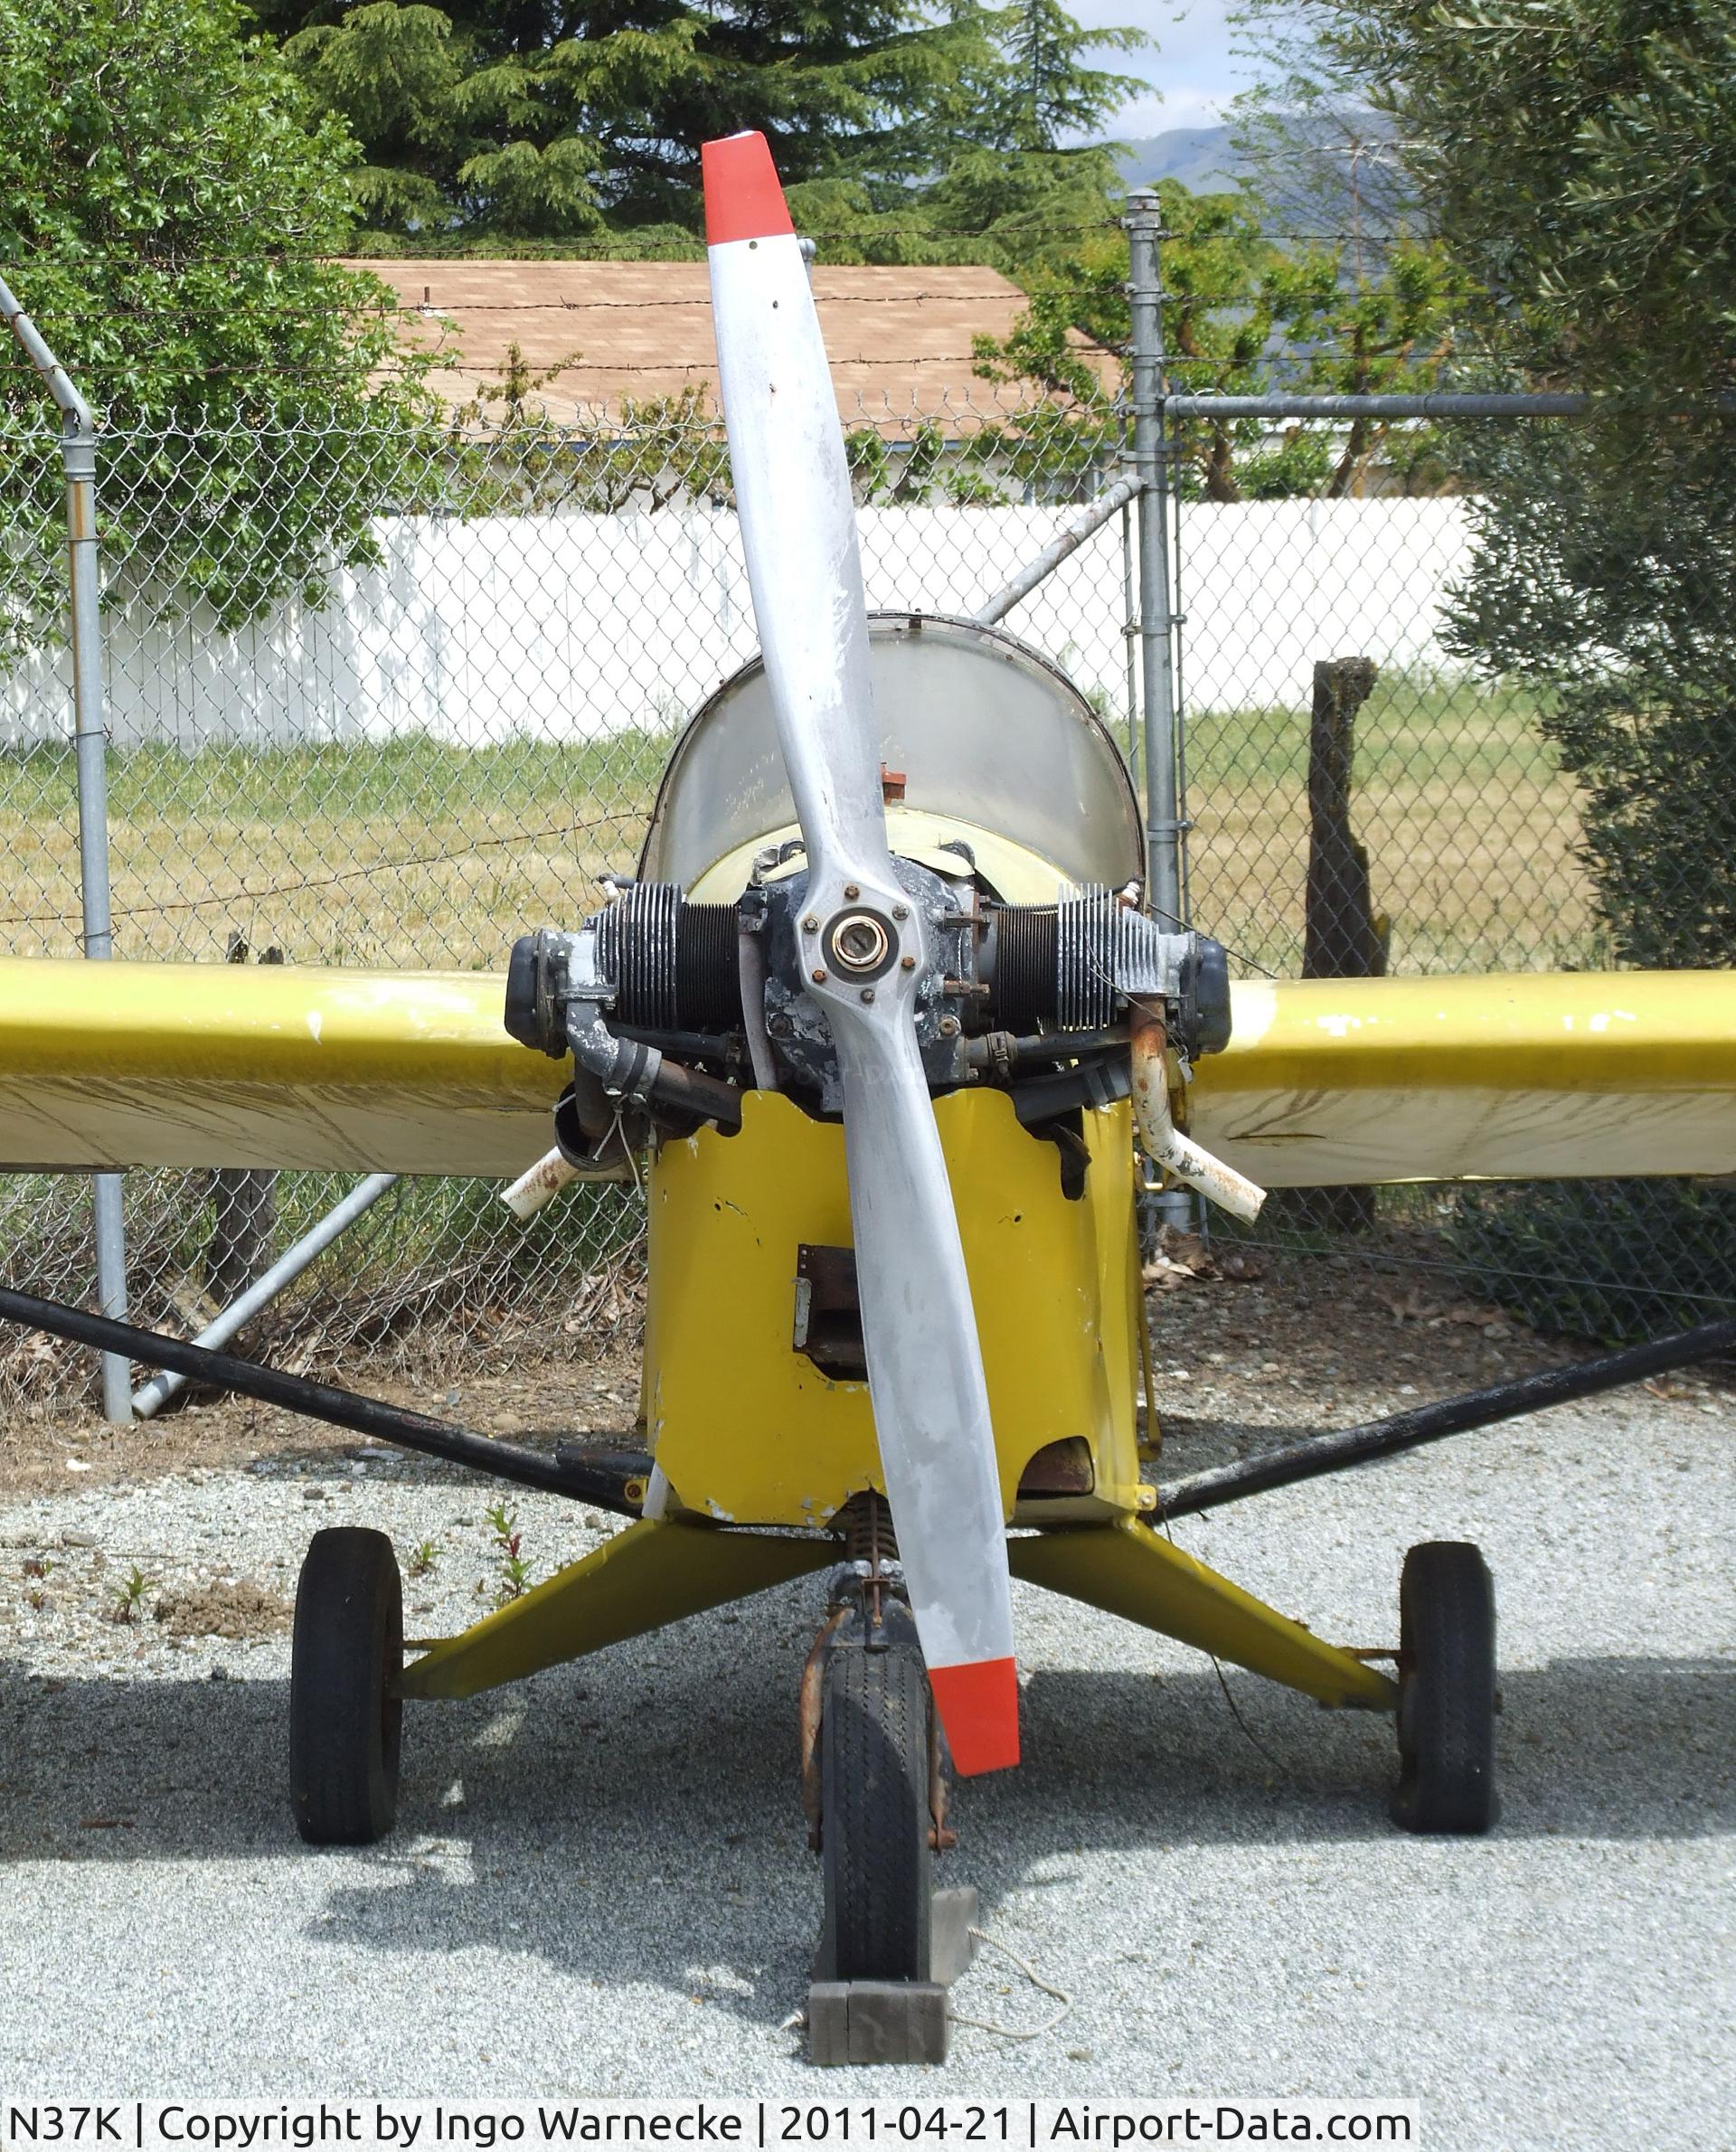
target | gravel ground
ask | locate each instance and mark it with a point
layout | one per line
(600, 1883)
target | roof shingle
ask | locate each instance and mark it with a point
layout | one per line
(899, 339)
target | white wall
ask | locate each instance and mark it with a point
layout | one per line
(577, 626)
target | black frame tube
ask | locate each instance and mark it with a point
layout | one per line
(1377, 1439)
(318, 1400)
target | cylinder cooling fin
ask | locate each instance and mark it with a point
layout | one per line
(1068, 966)
(1093, 940)
(1024, 955)
(673, 964)
(673, 969)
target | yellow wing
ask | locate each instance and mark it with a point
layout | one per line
(1528, 1076)
(1325, 1080)
(229, 1064)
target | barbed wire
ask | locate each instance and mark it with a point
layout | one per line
(426, 366)
(288, 889)
(327, 372)
(696, 302)
(468, 250)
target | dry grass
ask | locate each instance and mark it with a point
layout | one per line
(412, 852)
(1471, 829)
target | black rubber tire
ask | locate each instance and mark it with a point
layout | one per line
(345, 1713)
(1447, 1691)
(875, 1716)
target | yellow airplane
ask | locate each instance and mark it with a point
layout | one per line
(884, 1047)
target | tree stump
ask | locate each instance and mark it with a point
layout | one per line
(1344, 936)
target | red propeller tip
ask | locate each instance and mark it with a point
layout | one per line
(979, 1708)
(742, 197)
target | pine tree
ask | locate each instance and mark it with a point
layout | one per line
(540, 120)
(1049, 92)
(543, 122)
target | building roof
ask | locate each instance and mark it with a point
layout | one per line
(899, 339)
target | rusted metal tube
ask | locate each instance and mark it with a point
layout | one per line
(539, 1183)
(1164, 1143)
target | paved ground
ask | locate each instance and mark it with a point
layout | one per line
(599, 1880)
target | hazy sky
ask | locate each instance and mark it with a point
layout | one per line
(1191, 67)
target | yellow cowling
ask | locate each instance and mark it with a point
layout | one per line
(748, 1429)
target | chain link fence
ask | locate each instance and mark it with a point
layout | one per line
(1536, 786)
(418, 700)
(424, 711)
(1470, 824)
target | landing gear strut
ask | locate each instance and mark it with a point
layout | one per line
(873, 1783)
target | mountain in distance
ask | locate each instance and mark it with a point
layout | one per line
(1336, 168)
(1202, 158)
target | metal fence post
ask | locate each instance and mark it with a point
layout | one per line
(1171, 1206)
(1144, 223)
(79, 460)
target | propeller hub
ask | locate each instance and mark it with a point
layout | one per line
(861, 943)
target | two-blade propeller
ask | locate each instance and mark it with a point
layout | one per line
(863, 951)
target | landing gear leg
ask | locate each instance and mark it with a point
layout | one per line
(875, 1788)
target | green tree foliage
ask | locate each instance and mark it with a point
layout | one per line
(571, 122)
(1240, 316)
(1579, 161)
(1617, 1261)
(1606, 579)
(1041, 88)
(166, 197)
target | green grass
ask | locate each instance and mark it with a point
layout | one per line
(412, 775)
(1414, 728)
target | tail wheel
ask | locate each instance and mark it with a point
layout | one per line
(346, 1711)
(875, 1767)
(1447, 1691)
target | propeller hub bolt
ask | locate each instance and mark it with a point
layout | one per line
(901, 912)
(810, 925)
(907, 963)
(860, 942)
(818, 975)
(867, 993)
(852, 890)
